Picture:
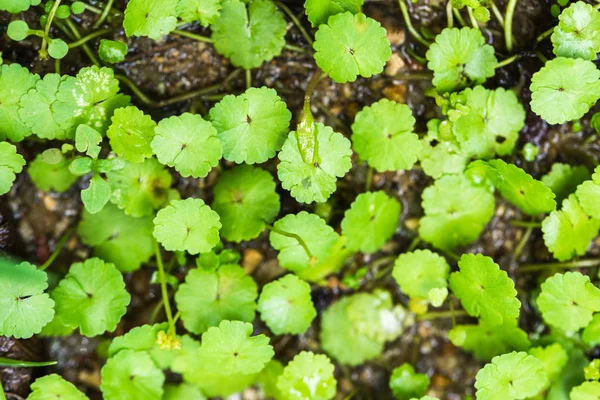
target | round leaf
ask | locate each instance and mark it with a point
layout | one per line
(308, 376)
(131, 375)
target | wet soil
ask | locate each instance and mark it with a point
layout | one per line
(31, 222)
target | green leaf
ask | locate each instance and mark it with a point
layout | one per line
(130, 134)
(131, 375)
(209, 297)
(252, 126)
(485, 290)
(576, 35)
(455, 212)
(319, 237)
(553, 357)
(588, 194)
(87, 140)
(249, 34)
(57, 48)
(267, 379)
(314, 179)
(569, 231)
(556, 97)
(285, 305)
(419, 271)
(139, 189)
(118, 238)
(182, 391)
(18, 30)
(406, 383)
(92, 296)
(487, 341)
(9, 362)
(510, 376)
(351, 45)
(231, 350)
(15, 82)
(440, 154)
(152, 18)
(586, 391)
(563, 179)
(519, 188)
(81, 166)
(308, 376)
(382, 135)
(97, 194)
(47, 177)
(24, 307)
(78, 7)
(204, 11)
(370, 221)
(591, 333)
(339, 336)
(486, 122)
(187, 225)
(11, 163)
(375, 316)
(568, 301)
(246, 200)
(54, 387)
(460, 58)
(319, 11)
(16, 6)
(112, 51)
(89, 98)
(189, 143)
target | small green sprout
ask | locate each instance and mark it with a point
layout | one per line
(112, 51)
(308, 375)
(407, 384)
(351, 45)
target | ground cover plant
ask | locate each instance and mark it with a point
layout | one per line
(299, 200)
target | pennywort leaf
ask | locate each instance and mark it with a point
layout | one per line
(308, 375)
(11, 163)
(204, 11)
(319, 11)
(487, 341)
(577, 33)
(131, 375)
(419, 271)
(52, 387)
(152, 18)
(47, 177)
(15, 82)
(131, 133)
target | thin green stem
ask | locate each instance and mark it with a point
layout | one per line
(442, 314)
(294, 48)
(369, 179)
(522, 243)
(541, 57)
(525, 224)
(57, 66)
(191, 35)
(508, 21)
(104, 14)
(85, 46)
(190, 95)
(2, 395)
(300, 241)
(89, 37)
(296, 22)
(413, 245)
(472, 18)
(497, 14)
(43, 52)
(560, 265)
(136, 91)
(458, 17)
(544, 35)
(449, 14)
(507, 61)
(93, 9)
(409, 25)
(163, 288)
(176, 317)
(57, 250)
(414, 76)
(248, 79)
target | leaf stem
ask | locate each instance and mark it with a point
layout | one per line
(544, 35)
(369, 178)
(413, 245)
(458, 17)
(294, 48)
(508, 20)
(442, 314)
(560, 265)
(301, 241)
(526, 224)
(296, 22)
(522, 243)
(43, 52)
(409, 25)
(89, 37)
(85, 46)
(163, 288)
(104, 14)
(472, 18)
(9, 362)
(414, 76)
(136, 90)
(507, 61)
(449, 14)
(57, 250)
(248, 79)
(541, 57)
(497, 14)
(93, 9)
(191, 35)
